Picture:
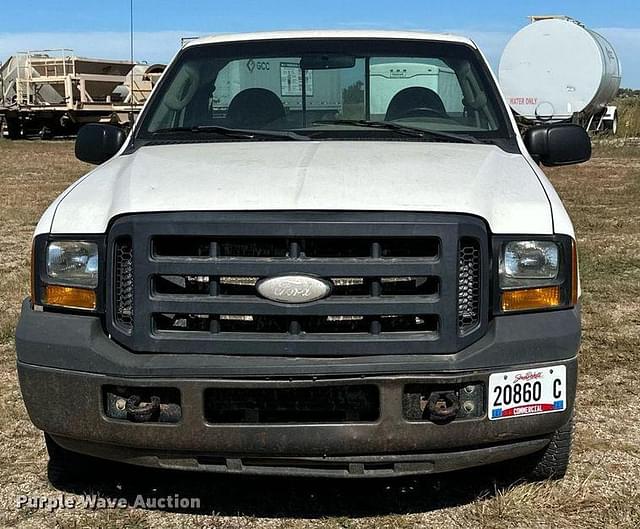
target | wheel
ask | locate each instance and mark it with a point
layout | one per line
(553, 461)
(12, 128)
(65, 465)
(45, 133)
(613, 127)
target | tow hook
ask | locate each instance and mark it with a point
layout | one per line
(138, 411)
(443, 406)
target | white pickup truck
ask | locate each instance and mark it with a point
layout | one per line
(272, 275)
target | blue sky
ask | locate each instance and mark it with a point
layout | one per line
(101, 28)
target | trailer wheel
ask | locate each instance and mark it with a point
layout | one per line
(553, 461)
(45, 133)
(12, 128)
(612, 126)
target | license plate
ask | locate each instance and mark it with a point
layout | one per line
(529, 392)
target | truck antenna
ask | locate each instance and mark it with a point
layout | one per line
(131, 75)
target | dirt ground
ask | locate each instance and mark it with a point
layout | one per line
(602, 488)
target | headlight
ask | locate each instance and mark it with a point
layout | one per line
(535, 274)
(529, 263)
(66, 273)
(73, 263)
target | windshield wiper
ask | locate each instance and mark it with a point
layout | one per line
(243, 134)
(415, 132)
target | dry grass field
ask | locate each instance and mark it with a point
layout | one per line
(628, 116)
(602, 488)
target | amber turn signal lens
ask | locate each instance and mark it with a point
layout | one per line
(531, 298)
(74, 298)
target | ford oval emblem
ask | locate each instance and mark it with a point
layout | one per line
(294, 288)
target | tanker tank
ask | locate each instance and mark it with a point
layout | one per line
(557, 70)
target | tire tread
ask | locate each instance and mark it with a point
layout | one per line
(553, 461)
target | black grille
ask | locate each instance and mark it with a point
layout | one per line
(355, 403)
(296, 325)
(468, 285)
(123, 288)
(321, 247)
(187, 285)
(401, 283)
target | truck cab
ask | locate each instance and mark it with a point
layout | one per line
(324, 253)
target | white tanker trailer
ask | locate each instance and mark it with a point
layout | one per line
(557, 70)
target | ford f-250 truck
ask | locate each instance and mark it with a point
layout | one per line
(251, 283)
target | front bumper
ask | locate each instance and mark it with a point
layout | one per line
(64, 362)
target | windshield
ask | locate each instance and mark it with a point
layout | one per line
(326, 89)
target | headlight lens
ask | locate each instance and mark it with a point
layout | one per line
(535, 273)
(529, 263)
(73, 263)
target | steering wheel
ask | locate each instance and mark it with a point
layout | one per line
(422, 112)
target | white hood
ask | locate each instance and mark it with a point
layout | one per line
(377, 176)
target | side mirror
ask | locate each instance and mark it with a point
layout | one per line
(97, 143)
(560, 144)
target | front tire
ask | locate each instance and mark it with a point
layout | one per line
(553, 461)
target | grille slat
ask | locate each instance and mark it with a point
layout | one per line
(343, 286)
(317, 247)
(254, 305)
(321, 267)
(295, 325)
(196, 276)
